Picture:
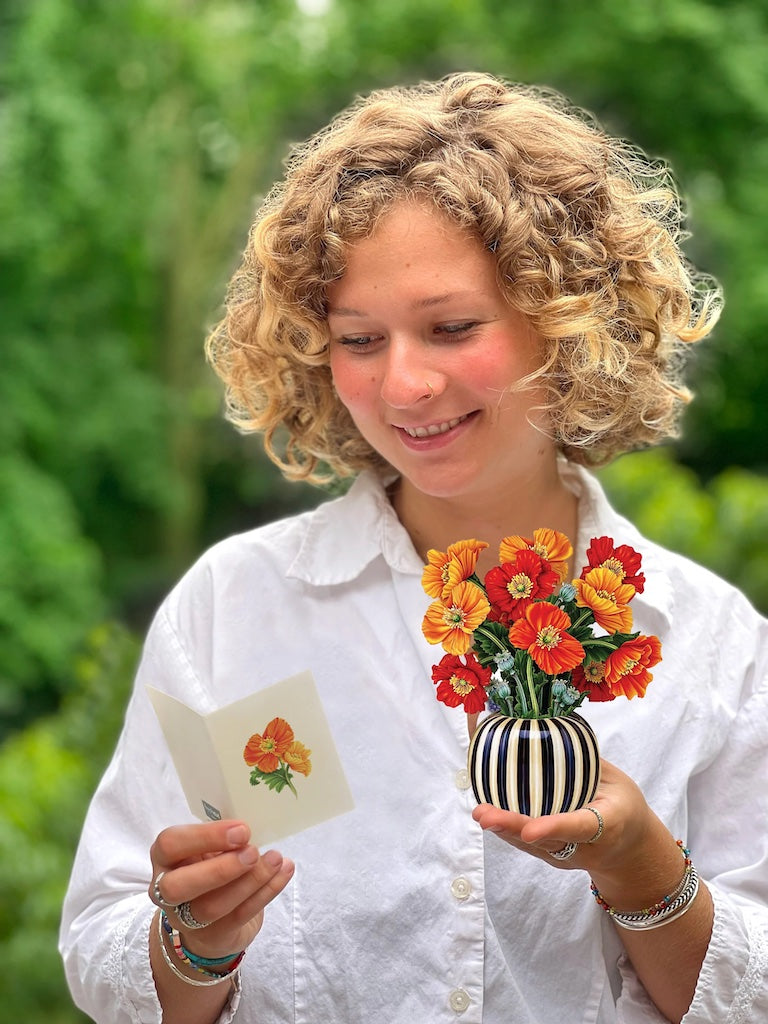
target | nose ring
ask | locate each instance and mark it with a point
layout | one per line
(431, 391)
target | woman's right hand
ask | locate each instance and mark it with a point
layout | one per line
(226, 882)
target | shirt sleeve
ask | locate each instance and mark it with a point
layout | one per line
(729, 843)
(727, 835)
(104, 937)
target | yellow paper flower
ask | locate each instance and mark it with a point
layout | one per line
(451, 623)
(608, 599)
(446, 569)
(549, 544)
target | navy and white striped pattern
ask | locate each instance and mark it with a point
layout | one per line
(534, 765)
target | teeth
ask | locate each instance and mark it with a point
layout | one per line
(436, 428)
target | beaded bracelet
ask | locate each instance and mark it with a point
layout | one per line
(165, 928)
(667, 909)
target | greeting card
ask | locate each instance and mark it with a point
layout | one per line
(268, 759)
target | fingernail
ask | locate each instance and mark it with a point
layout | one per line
(249, 855)
(237, 835)
(273, 859)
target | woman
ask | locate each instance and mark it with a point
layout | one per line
(463, 293)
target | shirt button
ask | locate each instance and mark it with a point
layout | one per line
(459, 1000)
(462, 779)
(461, 888)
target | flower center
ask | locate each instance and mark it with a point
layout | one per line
(615, 566)
(594, 671)
(444, 572)
(628, 667)
(606, 595)
(520, 585)
(267, 745)
(460, 686)
(549, 637)
(453, 616)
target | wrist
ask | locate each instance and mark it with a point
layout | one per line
(650, 892)
(190, 967)
(649, 868)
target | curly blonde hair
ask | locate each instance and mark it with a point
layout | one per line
(586, 232)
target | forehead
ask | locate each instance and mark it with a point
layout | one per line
(416, 237)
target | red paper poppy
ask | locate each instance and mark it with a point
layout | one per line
(514, 586)
(542, 632)
(626, 669)
(461, 682)
(590, 679)
(623, 561)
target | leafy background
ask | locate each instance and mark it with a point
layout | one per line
(134, 140)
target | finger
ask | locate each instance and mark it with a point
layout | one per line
(574, 827)
(537, 836)
(189, 881)
(190, 842)
(507, 825)
(493, 819)
(234, 914)
(271, 887)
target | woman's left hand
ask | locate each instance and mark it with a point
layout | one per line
(626, 817)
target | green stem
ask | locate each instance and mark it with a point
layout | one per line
(584, 614)
(599, 642)
(491, 636)
(285, 771)
(532, 690)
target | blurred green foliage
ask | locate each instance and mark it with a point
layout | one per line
(134, 140)
(722, 523)
(46, 774)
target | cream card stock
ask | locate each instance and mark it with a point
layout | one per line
(268, 759)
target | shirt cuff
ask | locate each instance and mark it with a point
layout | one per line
(733, 981)
(133, 979)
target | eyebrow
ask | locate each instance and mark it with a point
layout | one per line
(426, 303)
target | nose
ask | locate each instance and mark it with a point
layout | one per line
(408, 376)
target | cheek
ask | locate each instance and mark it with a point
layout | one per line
(353, 384)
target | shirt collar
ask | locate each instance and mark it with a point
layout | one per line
(345, 535)
(597, 518)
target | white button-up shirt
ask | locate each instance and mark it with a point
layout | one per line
(403, 910)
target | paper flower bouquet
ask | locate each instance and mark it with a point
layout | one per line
(526, 641)
(531, 648)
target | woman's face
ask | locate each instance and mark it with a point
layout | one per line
(424, 348)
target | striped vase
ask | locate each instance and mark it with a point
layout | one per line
(534, 765)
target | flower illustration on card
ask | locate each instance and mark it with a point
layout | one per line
(274, 755)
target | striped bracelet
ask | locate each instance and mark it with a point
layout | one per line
(667, 909)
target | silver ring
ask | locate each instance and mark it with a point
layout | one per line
(157, 896)
(187, 918)
(600, 824)
(566, 853)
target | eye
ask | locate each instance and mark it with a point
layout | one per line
(456, 329)
(359, 342)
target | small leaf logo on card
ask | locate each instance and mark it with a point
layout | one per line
(275, 755)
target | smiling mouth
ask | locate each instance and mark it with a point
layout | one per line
(435, 428)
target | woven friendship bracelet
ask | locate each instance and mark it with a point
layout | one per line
(667, 909)
(209, 961)
(165, 928)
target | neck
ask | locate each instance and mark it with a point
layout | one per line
(436, 522)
